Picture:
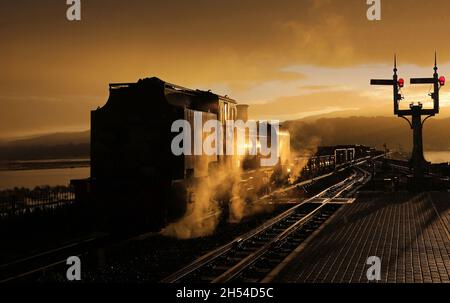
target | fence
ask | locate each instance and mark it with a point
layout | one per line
(21, 200)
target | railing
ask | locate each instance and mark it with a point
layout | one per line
(21, 200)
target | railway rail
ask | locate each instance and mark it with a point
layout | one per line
(41, 262)
(252, 252)
(250, 257)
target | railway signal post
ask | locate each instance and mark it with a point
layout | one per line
(417, 112)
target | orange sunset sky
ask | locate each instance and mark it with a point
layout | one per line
(288, 59)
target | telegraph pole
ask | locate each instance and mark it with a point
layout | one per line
(416, 111)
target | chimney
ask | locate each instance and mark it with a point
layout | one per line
(242, 112)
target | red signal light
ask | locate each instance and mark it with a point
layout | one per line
(401, 82)
(442, 80)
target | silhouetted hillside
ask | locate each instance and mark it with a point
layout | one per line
(305, 134)
(372, 131)
(52, 139)
(51, 146)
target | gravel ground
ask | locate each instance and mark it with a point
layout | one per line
(153, 257)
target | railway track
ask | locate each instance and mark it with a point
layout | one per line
(251, 257)
(50, 259)
(278, 235)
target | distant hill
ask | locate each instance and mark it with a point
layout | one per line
(50, 139)
(306, 134)
(49, 146)
(372, 131)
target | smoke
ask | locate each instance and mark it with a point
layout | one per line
(205, 209)
(299, 163)
(231, 194)
(304, 143)
(202, 214)
(247, 189)
(228, 194)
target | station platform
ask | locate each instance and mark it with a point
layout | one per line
(409, 232)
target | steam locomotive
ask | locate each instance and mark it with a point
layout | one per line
(135, 176)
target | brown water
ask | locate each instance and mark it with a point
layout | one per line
(33, 178)
(62, 176)
(438, 156)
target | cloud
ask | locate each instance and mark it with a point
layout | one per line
(314, 104)
(256, 51)
(34, 115)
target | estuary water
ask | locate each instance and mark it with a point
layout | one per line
(62, 176)
(38, 177)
